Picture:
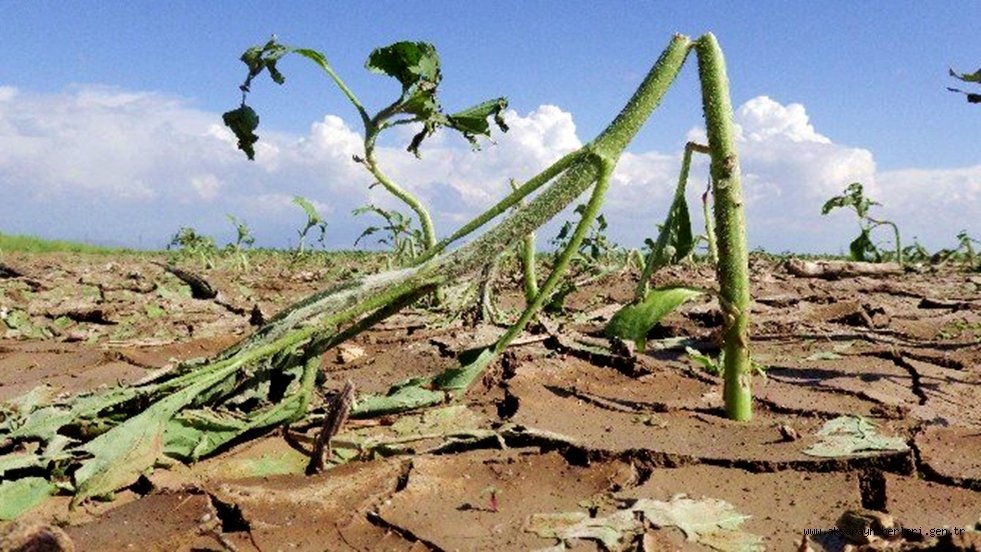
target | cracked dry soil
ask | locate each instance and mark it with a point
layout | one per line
(903, 352)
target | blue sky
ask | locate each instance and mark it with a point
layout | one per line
(108, 112)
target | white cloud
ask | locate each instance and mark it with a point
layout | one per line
(113, 165)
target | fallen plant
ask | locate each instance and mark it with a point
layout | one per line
(98, 442)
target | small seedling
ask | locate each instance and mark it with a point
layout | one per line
(314, 221)
(596, 250)
(862, 248)
(243, 240)
(405, 241)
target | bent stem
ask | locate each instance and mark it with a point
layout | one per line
(733, 266)
(662, 253)
(290, 343)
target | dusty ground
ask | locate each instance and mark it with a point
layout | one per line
(573, 429)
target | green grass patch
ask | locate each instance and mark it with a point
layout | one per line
(15, 243)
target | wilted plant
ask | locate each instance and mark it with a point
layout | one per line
(863, 248)
(189, 243)
(196, 408)
(417, 68)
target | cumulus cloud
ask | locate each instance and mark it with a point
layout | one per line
(127, 167)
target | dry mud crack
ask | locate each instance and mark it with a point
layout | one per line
(557, 426)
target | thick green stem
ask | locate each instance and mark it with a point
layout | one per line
(733, 266)
(529, 278)
(713, 250)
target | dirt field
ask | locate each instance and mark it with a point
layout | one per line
(559, 425)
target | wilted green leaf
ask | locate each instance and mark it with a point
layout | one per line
(412, 63)
(17, 497)
(402, 399)
(122, 454)
(243, 122)
(862, 248)
(313, 217)
(850, 435)
(19, 461)
(473, 122)
(633, 321)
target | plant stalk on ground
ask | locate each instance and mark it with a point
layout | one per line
(179, 410)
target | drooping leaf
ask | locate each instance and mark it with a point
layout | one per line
(862, 248)
(473, 121)
(851, 435)
(122, 454)
(243, 122)
(633, 321)
(313, 217)
(19, 496)
(412, 63)
(967, 77)
(258, 58)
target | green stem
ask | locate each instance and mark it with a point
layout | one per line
(713, 250)
(529, 278)
(895, 231)
(659, 256)
(605, 168)
(733, 266)
(425, 221)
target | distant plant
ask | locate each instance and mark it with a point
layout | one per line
(863, 248)
(975, 77)
(314, 221)
(964, 253)
(187, 242)
(405, 241)
(243, 240)
(596, 250)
